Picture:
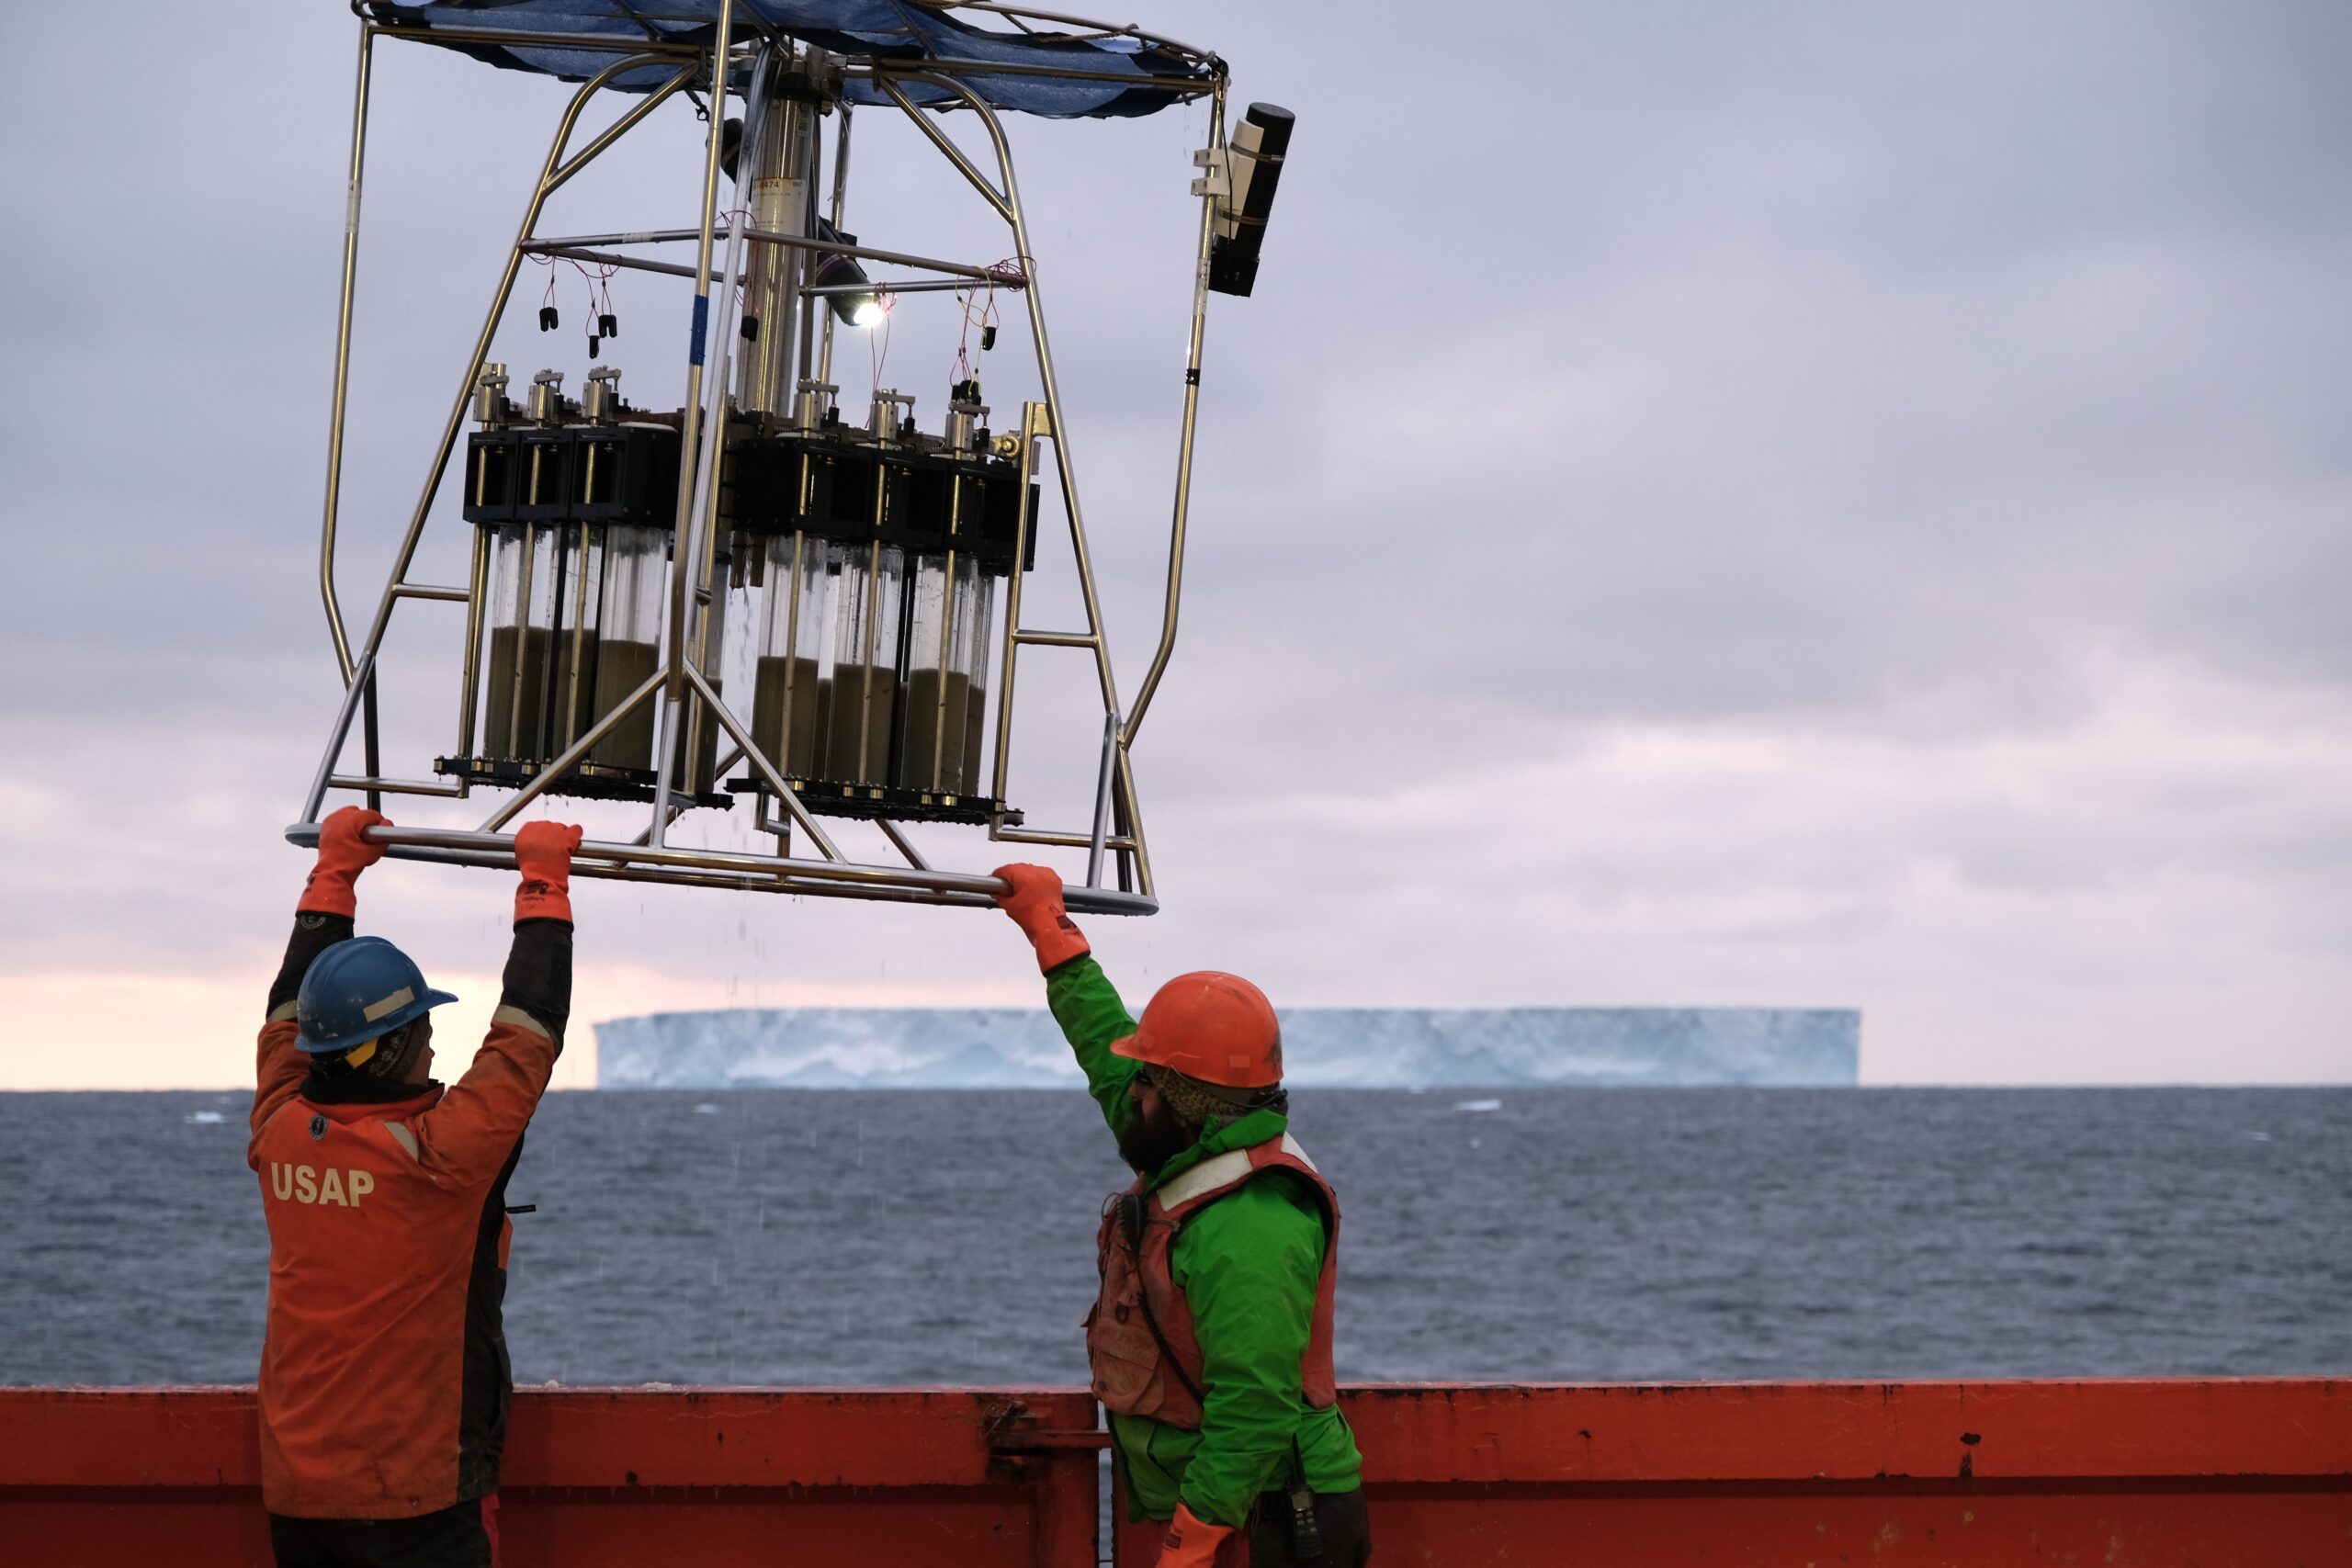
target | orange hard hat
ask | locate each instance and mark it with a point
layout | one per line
(1212, 1026)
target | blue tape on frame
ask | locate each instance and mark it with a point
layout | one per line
(700, 330)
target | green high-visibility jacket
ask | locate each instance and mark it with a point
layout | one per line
(1248, 1264)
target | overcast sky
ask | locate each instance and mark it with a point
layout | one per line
(1804, 505)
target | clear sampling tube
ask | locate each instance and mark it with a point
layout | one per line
(694, 717)
(636, 579)
(522, 629)
(578, 591)
(968, 664)
(927, 739)
(788, 687)
(865, 684)
(946, 690)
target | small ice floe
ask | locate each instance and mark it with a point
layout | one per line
(706, 1110)
(203, 1118)
(1478, 1105)
(2259, 1137)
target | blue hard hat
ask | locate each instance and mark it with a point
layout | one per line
(358, 990)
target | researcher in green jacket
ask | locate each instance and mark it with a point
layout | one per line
(1210, 1343)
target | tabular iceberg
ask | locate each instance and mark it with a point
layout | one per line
(1324, 1048)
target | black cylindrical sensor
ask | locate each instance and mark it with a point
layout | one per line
(1258, 145)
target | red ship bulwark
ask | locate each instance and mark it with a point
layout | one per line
(2217, 1473)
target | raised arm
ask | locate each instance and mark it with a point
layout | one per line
(1084, 1001)
(322, 917)
(465, 1139)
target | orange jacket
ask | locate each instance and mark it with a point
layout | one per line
(384, 1379)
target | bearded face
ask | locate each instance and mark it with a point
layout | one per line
(1156, 1135)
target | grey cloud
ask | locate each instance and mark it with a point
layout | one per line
(1832, 375)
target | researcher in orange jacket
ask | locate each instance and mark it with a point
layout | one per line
(384, 1379)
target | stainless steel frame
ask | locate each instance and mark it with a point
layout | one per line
(1116, 831)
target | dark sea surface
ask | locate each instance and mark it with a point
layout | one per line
(771, 1237)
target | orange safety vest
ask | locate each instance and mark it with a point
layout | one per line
(1132, 1365)
(384, 1381)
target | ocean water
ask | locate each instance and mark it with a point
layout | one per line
(772, 1236)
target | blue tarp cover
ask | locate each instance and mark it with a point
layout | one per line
(897, 30)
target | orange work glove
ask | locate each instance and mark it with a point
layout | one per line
(1033, 896)
(344, 853)
(1190, 1542)
(543, 854)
